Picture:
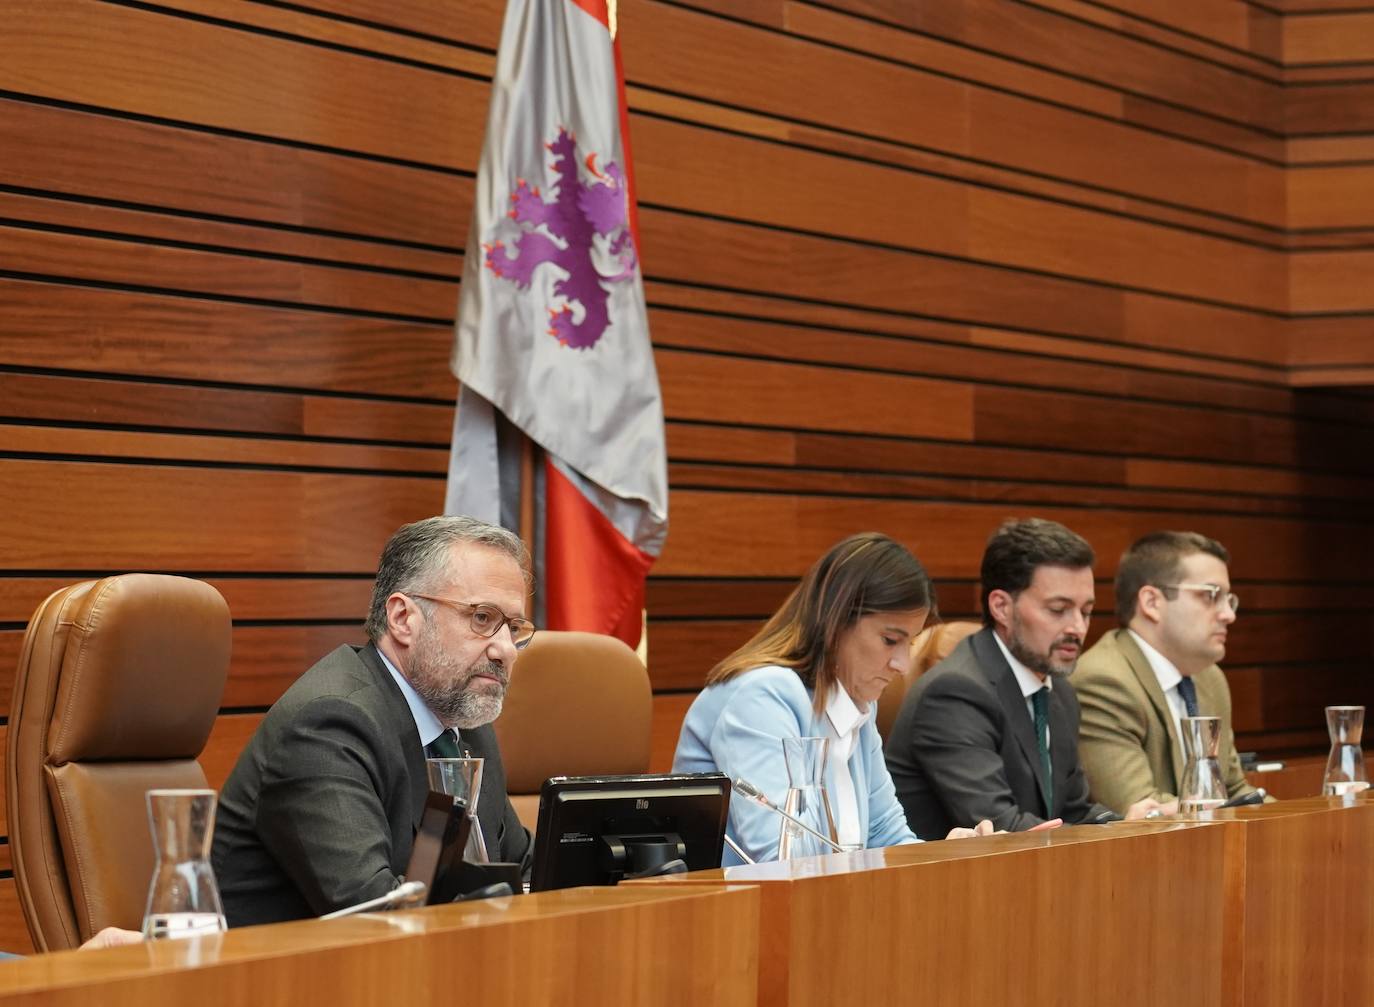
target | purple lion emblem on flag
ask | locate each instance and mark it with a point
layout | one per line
(560, 231)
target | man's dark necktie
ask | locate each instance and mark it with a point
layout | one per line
(1188, 691)
(444, 747)
(1040, 701)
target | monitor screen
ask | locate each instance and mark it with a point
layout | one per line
(598, 830)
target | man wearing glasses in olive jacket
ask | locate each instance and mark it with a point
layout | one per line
(1174, 606)
(321, 810)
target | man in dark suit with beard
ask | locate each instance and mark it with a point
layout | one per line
(321, 809)
(992, 730)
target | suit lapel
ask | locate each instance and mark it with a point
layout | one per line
(1149, 681)
(403, 724)
(990, 658)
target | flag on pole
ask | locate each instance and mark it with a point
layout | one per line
(553, 336)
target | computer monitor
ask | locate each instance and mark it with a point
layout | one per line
(598, 830)
(437, 856)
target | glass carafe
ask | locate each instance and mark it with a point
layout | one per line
(806, 798)
(1202, 787)
(461, 779)
(1345, 765)
(183, 898)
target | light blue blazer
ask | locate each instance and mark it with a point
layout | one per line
(735, 728)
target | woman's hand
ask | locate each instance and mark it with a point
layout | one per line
(983, 828)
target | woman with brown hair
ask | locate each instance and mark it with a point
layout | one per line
(816, 669)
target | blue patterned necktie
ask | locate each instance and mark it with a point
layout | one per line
(1040, 701)
(1188, 691)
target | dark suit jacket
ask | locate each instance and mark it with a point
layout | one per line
(322, 807)
(963, 748)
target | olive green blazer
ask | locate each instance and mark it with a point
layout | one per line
(1127, 741)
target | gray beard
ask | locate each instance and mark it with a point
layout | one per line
(445, 689)
(463, 709)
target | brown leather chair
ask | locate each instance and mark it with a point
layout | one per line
(931, 646)
(118, 685)
(579, 704)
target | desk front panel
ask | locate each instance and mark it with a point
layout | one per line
(584, 946)
(1122, 914)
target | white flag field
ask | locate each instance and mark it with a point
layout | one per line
(553, 337)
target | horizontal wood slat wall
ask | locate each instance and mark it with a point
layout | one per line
(915, 267)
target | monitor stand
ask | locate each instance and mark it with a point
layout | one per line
(642, 856)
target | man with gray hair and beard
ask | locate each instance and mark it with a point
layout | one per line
(321, 809)
(992, 730)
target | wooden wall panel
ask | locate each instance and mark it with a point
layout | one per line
(916, 267)
(1331, 196)
(1330, 53)
(1331, 282)
(1074, 45)
(1331, 37)
(1339, 108)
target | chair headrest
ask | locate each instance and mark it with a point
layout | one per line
(928, 648)
(936, 643)
(143, 670)
(579, 704)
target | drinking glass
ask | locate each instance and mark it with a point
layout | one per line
(183, 898)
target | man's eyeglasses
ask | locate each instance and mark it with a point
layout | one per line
(1212, 592)
(487, 620)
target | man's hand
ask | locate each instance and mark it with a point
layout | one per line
(1150, 808)
(112, 937)
(984, 828)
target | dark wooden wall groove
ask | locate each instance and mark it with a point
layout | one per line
(909, 267)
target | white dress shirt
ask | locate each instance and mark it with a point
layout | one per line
(843, 720)
(1029, 682)
(1169, 676)
(426, 723)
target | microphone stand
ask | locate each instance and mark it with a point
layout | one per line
(404, 892)
(739, 852)
(746, 789)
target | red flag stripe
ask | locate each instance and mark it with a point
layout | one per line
(593, 575)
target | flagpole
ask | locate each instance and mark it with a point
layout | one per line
(527, 505)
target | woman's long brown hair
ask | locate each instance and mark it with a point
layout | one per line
(864, 573)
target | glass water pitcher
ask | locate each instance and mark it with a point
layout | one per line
(1345, 765)
(806, 798)
(461, 779)
(1202, 787)
(183, 898)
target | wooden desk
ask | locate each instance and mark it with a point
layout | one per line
(1309, 901)
(1124, 914)
(599, 947)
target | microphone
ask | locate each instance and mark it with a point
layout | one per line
(404, 892)
(746, 789)
(739, 852)
(1255, 796)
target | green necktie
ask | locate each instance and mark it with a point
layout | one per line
(1040, 701)
(444, 747)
